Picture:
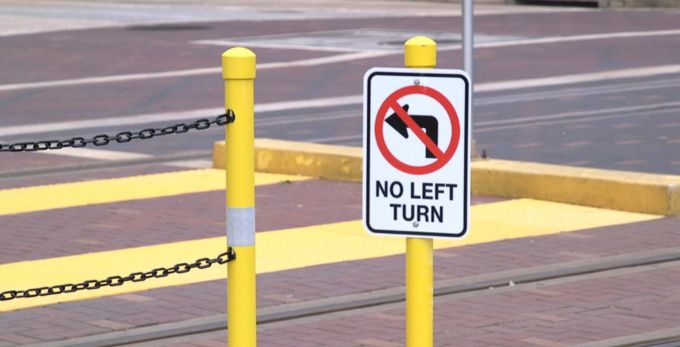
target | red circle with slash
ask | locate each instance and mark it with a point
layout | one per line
(443, 157)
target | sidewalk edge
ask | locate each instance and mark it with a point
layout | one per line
(618, 190)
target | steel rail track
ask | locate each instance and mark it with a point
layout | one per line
(570, 117)
(472, 285)
(101, 165)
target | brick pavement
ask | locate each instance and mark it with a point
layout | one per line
(550, 314)
(112, 226)
(205, 299)
(102, 227)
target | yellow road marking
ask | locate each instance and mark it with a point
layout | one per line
(40, 198)
(293, 248)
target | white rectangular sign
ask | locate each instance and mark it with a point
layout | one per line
(416, 152)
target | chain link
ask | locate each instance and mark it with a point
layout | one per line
(115, 281)
(122, 137)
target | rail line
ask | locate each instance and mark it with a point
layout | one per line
(393, 297)
(481, 127)
(521, 122)
(346, 109)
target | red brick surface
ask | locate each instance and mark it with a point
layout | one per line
(205, 299)
(553, 313)
(112, 226)
(153, 221)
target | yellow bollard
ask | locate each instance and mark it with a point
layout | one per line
(238, 72)
(419, 52)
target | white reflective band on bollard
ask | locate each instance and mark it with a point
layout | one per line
(241, 226)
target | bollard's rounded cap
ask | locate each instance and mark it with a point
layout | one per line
(420, 51)
(238, 63)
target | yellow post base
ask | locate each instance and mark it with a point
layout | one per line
(419, 293)
(241, 313)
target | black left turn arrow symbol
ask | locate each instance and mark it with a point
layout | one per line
(429, 123)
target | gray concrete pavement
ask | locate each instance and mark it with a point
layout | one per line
(24, 17)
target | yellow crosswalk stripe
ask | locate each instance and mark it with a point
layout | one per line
(48, 197)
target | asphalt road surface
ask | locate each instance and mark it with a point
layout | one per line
(574, 86)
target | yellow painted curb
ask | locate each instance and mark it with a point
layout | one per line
(300, 158)
(619, 190)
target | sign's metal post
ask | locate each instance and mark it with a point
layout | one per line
(419, 52)
(468, 59)
(468, 38)
(419, 293)
(238, 72)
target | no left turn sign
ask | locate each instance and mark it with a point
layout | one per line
(416, 152)
(402, 121)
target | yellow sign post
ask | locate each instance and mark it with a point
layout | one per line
(238, 72)
(419, 52)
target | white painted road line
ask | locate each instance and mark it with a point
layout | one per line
(551, 119)
(191, 72)
(254, 44)
(573, 38)
(590, 114)
(583, 117)
(98, 154)
(191, 164)
(107, 122)
(324, 60)
(310, 103)
(579, 91)
(579, 78)
(171, 116)
(108, 79)
(321, 61)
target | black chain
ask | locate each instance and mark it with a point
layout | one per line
(115, 281)
(122, 137)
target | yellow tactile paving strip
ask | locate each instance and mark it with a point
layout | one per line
(40, 198)
(294, 248)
